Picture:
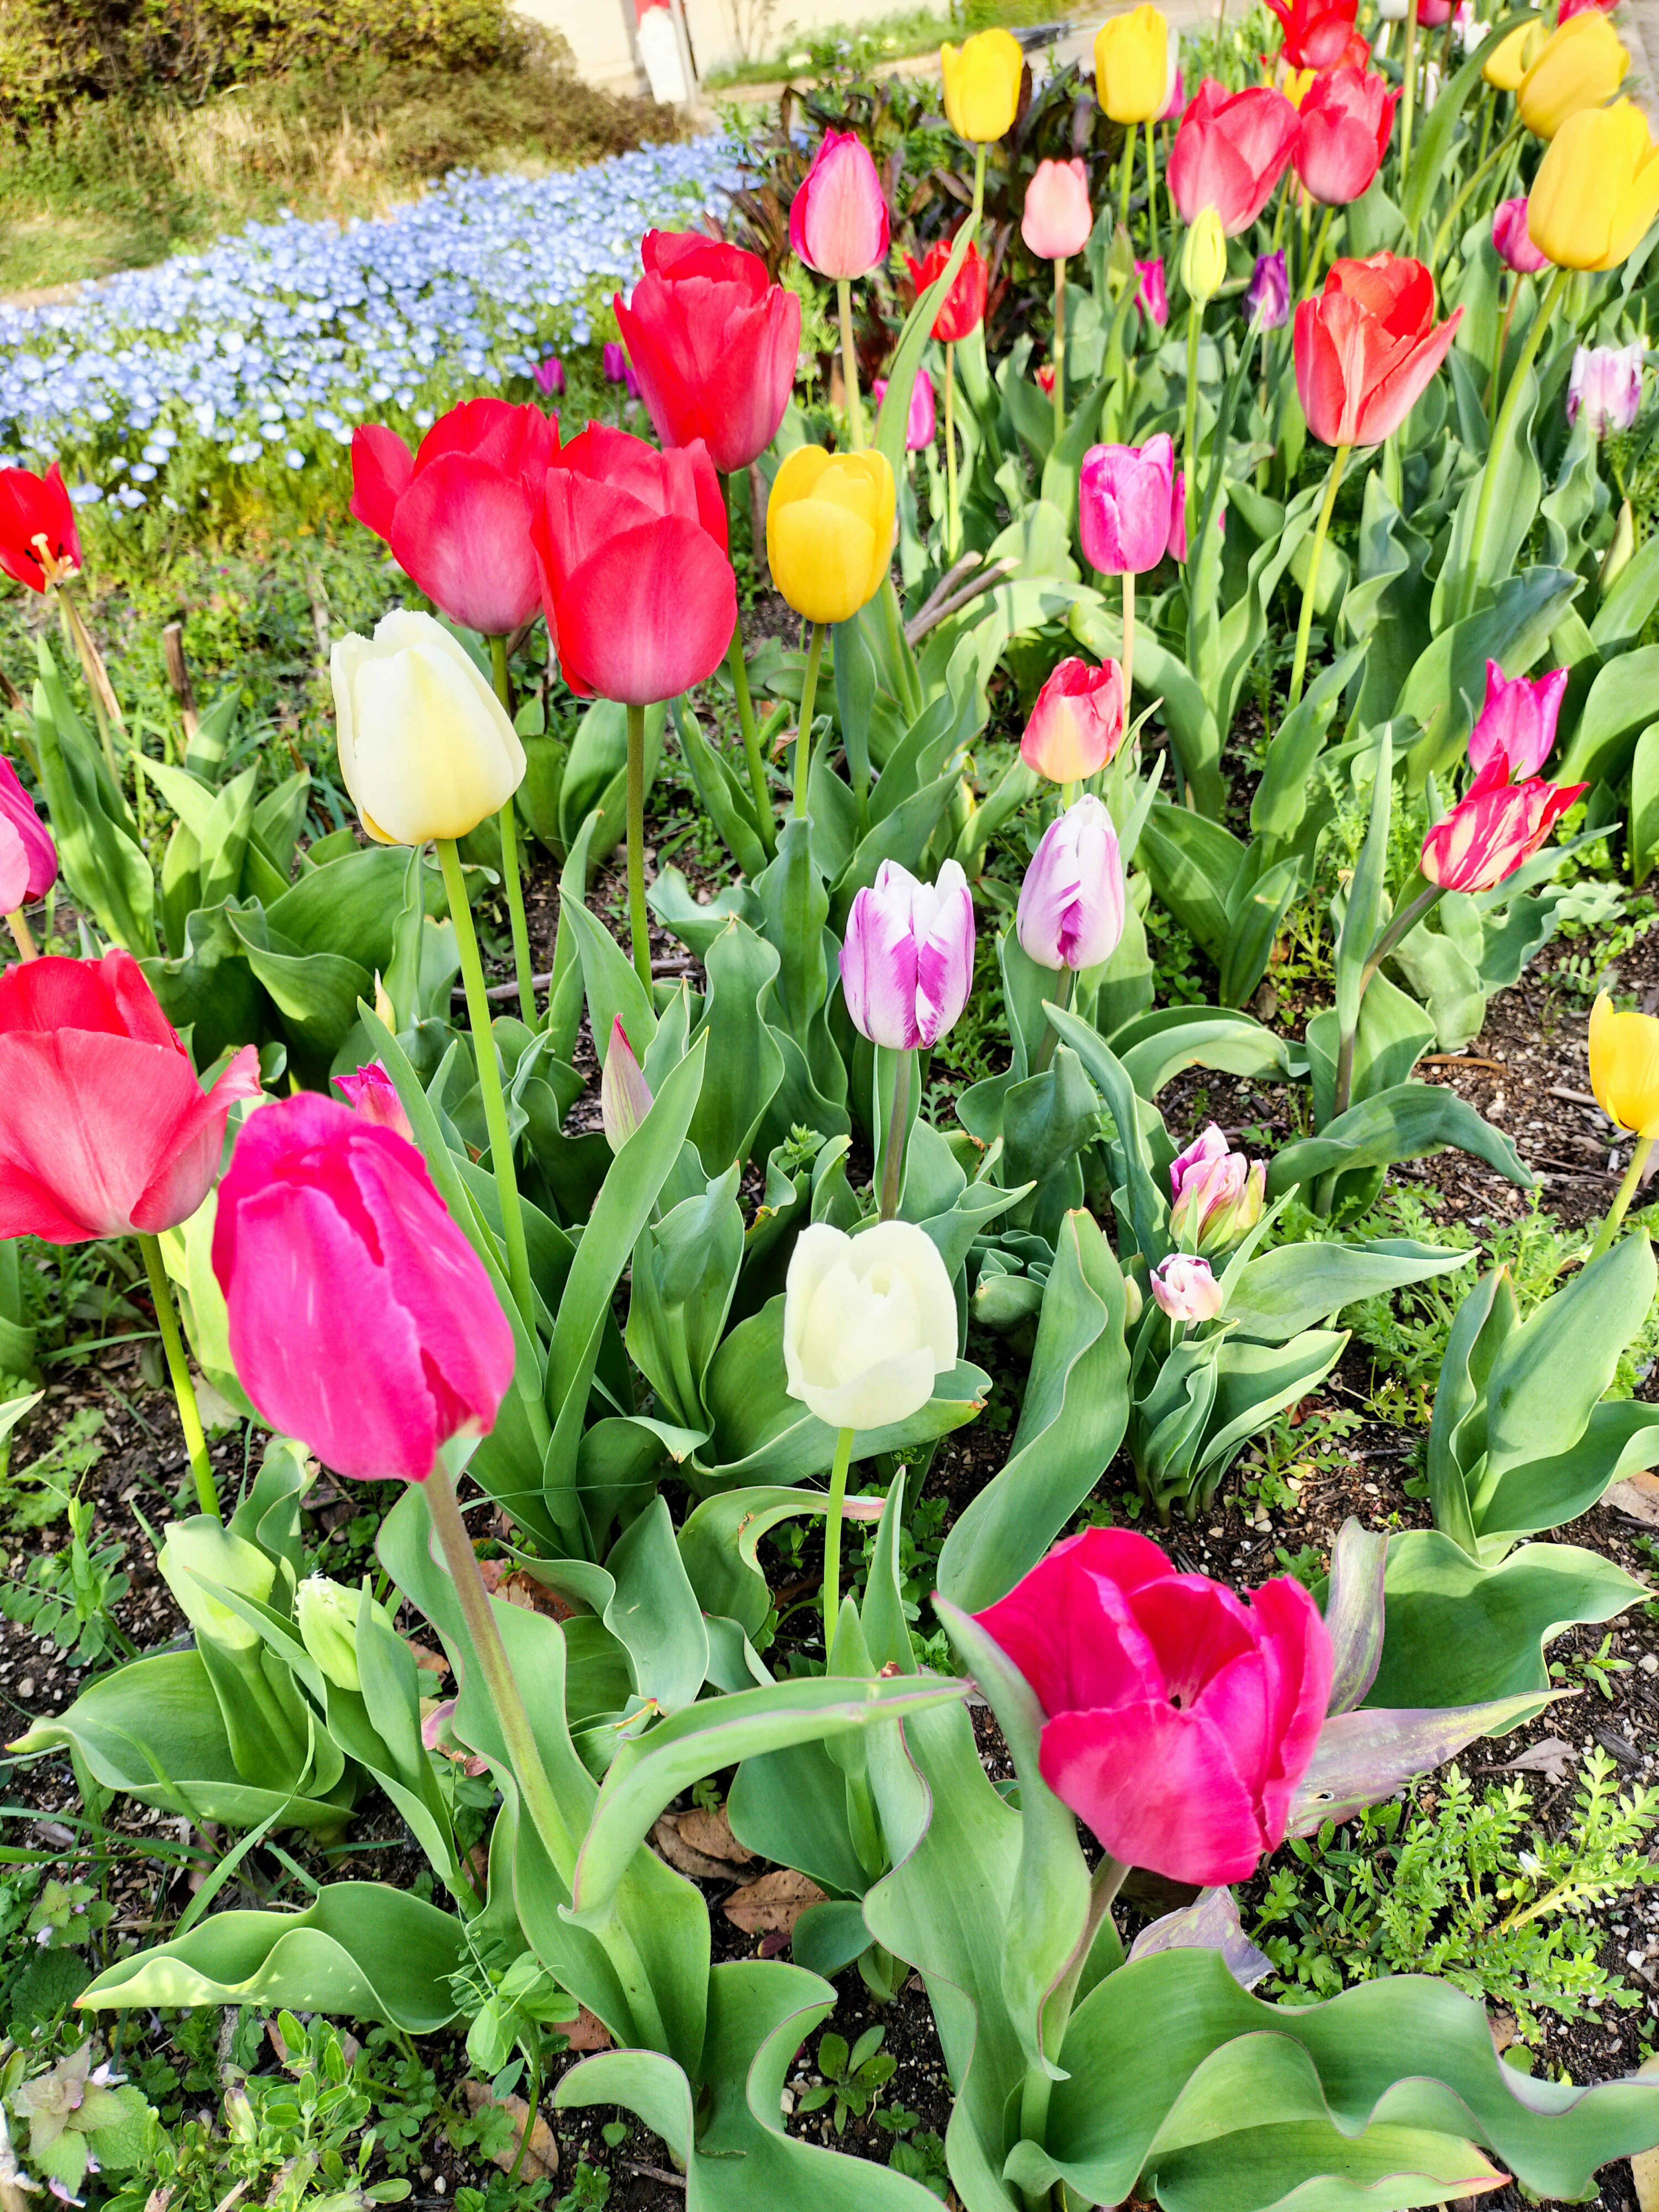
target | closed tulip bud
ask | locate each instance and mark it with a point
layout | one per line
(907, 961)
(1123, 505)
(1517, 722)
(28, 858)
(1132, 64)
(614, 361)
(1215, 1194)
(1184, 1288)
(325, 1614)
(1267, 295)
(1622, 551)
(1624, 1066)
(1512, 241)
(1151, 295)
(1076, 724)
(838, 221)
(962, 309)
(549, 377)
(1230, 152)
(1045, 379)
(1178, 1717)
(39, 543)
(1579, 66)
(361, 1319)
(1605, 386)
(1346, 118)
(1597, 187)
(373, 1097)
(981, 84)
(1071, 911)
(1510, 59)
(922, 424)
(868, 1322)
(426, 748)
(1494, 830)
(201, 1550)
(1057, 218)
(624, 1094)
(1204, 258)
(829, 531)
(1134, 1303)
(1366, 347)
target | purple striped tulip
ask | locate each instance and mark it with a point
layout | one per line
(906, 964)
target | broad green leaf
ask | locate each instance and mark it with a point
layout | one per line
(96, 837)
(1457, 1431)
(1401, 1123)
(1618, 709)
(1295, 1286)
(655, 1613)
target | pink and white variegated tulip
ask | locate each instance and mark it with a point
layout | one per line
(1071, 909)
(1516, 724)
(1496, 827)
(1215, 1195)
(1185, 1288)
(1606, 383)
(907, 963)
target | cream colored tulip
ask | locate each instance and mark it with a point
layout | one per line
(426, 748)
(200, 1550)
(868, 1322)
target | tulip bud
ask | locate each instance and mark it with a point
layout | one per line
(838, 221)
(1057, 218)
(1516, 721)
(1071, 910)
(426, 748)
(981, 84)
(1509, 62)
(1624, 1066)
(1216, 1195)
(1620, 552)
(373, 1097)
(868, 1322)
(614, 361)
(549, 377)
(829, 524)
(921, 425)
(1605, 386)
(1132, 64)
(1185, 1289)
(1204, 258)
(1267, 295)
(907, 962)
(1045, 379)
(1153, 297)
(1510, 240)
(624, 1094)
(1133, 1303)
(201, 1548)
(326, 1616)
(1076, 724)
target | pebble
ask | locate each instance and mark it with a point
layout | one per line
(26, 1687)
(1648, 1663)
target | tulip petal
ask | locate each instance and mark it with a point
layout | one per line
(649, 614)
(826, 551)
(1158, 1788)
(186, 1176)
(381, 466)
(461, 531)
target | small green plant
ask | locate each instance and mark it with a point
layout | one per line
(70, 1595)
(38, 1494)
(74, 2113)
(589, 2190)
(851, 2077)
(1467, 1888)
(1594, 1669)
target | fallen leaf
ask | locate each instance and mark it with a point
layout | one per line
(1505, 2029)
(588, 2031)
(541, 2158)
(669, 1842)
(711, 1833)
(773, 1904)
(502, 1579)
(1551, 1755)
(424, 1656)
(1637, 1496)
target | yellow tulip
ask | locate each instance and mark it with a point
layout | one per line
(1597, 188)
(1296, 84)
(981, 84)
(1132, 64)
(1624, 1062)
(1511, 61)
(1204, 258)
(1579, 66)
(829, 531)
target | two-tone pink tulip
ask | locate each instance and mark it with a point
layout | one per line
(1215, 1194)
(1512, 241)
(838, 220)
(1078, 722)
(1494, 830)
(907, 962)
(28, 858)
(921, 425)
(1184, 1288)
(1072, 903)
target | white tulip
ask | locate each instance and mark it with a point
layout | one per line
(868, 1322)
(425, 747)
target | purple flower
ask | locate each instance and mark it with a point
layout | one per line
(1153, 297)
(1185, 1289)
(549, 377)
(615, 360)
(1606, 383)
(1071, 903)
(907, 962)
(1267, 295)
(923, 422)
(1517, 720)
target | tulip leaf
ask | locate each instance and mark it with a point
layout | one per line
(1111, 1077)
(893, 420)
(1363, 1757)
(1191, 863)
(724, 800)
(1401, 1123)
(717, 1541)
(1430, 156)
(790, 1807)
(1513, 510)
(1354, 1612)
(1618, 709)
(1628, 601)
(1448, 679)
(742, 1065)
(1156, 1047)
(1296, 1285)
(1071, 1420)
(363, 1950)
(655, 1613)
(612, 985)
(97, 838)
(1362, 912)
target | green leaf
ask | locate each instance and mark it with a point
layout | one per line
(96, 837)
(1432, 152)
(1644, 805)
(1618, 709)
(790, 1807)
(1457, 1431)
(743, 1066)
(1362, 912)
(1401, 1123)
(1295, 1286)
(1362, 1757)
(655, 1612)
(1156, 1047)
(728, 806)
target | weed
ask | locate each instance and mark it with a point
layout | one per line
(52, 1476)
(851, 2078)
(1594, 1669)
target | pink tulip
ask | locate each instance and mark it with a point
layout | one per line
(1123, 501)
(1606, 383)
(1496, 827)
(1177, 99)
(624, 1094)
(1185, 1289)
(907, 962)
(1230, 152)
(28, 858)
(1076, 724)
(1511, 241)
(1152, 296)
(1347, 116)
(838, 221)
(1216, 1196)
(1071, 910)
(373, 1097)
(922, 423)
(362, 1321)
(1517, 723)
(1057, 218)
(1178, 1718)
(549, 377)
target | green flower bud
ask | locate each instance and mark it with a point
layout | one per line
(327, 1616)
(1204, 258)
(199, 1551)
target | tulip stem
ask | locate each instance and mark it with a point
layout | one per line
(1059, 349)
(1127, 176)
(1443, 236)
(1305, 625)
(507, 821)
(106, 707)
(1311, 274)
(1062, 999)
(1399, 927)
(1128, 582)
(638, 926)
(893, 1137)
(1616, 1212)
(489, 1083)
(1194, 323)
(1515, 284)
(809, 694)
(172, 1343)
(17, 923)
(849, 366)
(832, 1519)
(952, 518)
(1408, 101)
(1500, 432)
(752, 748)
(1151, 190)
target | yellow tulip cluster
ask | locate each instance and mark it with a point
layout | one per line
(1578, 67)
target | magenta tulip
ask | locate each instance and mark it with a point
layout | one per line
(362, 1321)
(922, 423)
(1215, 1198)
(28, 858)
(838, 221)
(1511, 241)
(1494, 830)
(1267, 295)
(549, 377)
(907, 962)
(1071, 911)
(1057, 218)
(373, 1097)
(1516, 724)
(1178, 1718)
(1152, 295)
(613, 359)
(1124, 497)
(1076, 724)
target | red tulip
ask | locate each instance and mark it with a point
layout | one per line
(1320, 33)
(1179, 1718)
(631, 544)
(38, 541)
(361, 1319)
(1493, 828)
(1367, 347)
(456, 514)
(104, 1128)
(1230, 152)
(838, 219)
(28, 858)
(963, 309)
(713, 343)
(1346, 117)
